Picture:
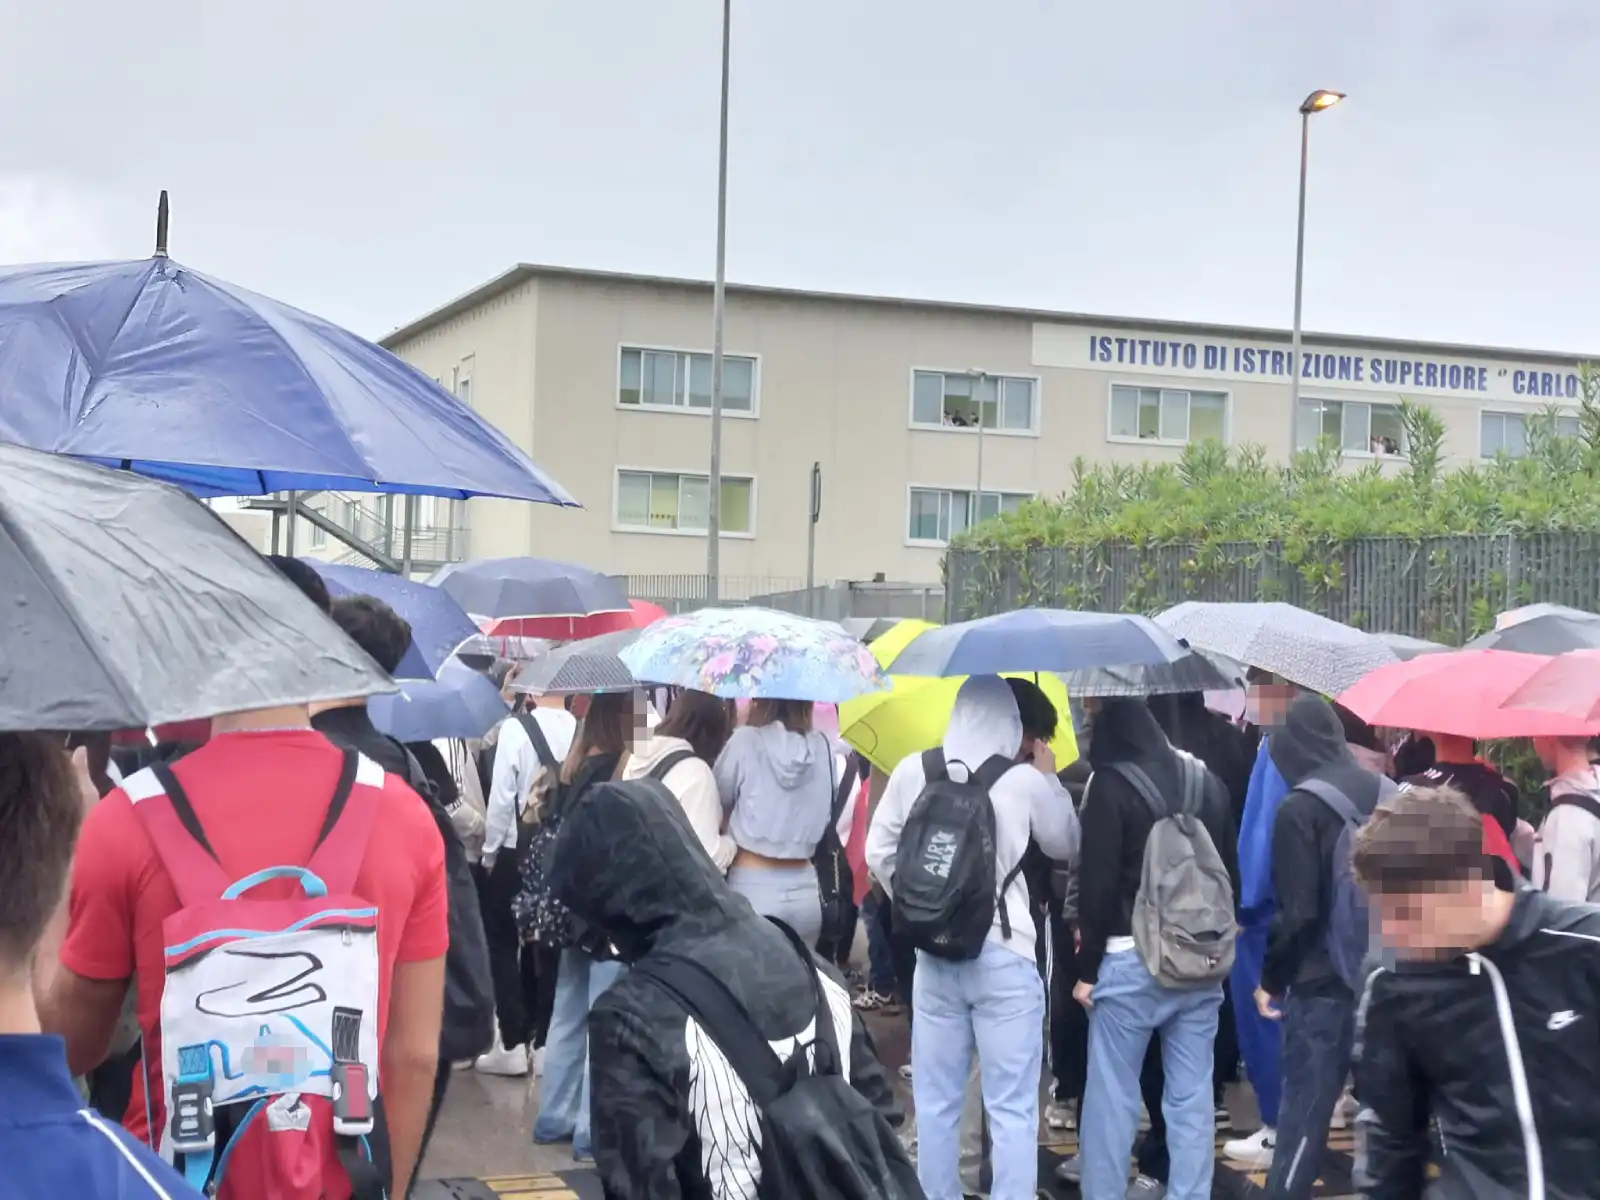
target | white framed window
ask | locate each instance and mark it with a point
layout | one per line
(1507, 433)
(961, 400)
(1172, 416)
(935, 515)
(680, 380)
(1356, 427)
(319, 535)
(679, 502)
(461, 379)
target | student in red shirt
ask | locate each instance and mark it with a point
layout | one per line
(261, 788)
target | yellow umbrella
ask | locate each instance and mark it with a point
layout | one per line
(911, 717)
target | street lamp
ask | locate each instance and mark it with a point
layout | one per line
(718, 303)
(1318, 101)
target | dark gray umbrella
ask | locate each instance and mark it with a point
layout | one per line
(128, 603)
(1551, 633)
(1406, 647)
(1192, 673)
(869, 629)
(591, 665)
(507, 588)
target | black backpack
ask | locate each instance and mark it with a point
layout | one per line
(944, 869)
(467, 1027)
(835, 880)
(820, 1138)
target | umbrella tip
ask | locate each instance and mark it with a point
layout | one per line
(161, 225)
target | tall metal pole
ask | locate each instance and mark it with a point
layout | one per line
(292, 510)
(718, 303)
(978, 378)
(1299, 276)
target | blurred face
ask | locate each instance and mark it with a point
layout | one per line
(1434, 924)
(1267, 704)
(641, 720)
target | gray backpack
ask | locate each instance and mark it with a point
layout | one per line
(1183, 916)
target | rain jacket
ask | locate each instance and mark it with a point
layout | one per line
(984, 722)
(1310, 745)
(777, 788)
(1117, 821)
(1498, 1047)
(671, 1119)
(692, 782)
(1257, 900)
(1566, 852)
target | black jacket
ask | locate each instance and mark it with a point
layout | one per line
(1304, 834)
(628, 863)
(1430, 1045)
(1116, 822)
(1226, 750)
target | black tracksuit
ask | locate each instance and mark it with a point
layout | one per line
(1502, 1049)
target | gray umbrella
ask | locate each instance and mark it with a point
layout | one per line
(128, 603)
(1192, 673)
(591, 665)
(1302, 647)
(1406, 647)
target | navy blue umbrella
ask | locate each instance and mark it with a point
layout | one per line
(161, 370)
(439, 626)
(1038, 639)
(461, 703)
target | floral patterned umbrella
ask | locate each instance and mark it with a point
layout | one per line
(755, 653)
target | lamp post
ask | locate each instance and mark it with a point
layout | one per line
(978, 380)
(718, 303)
(1318, 101)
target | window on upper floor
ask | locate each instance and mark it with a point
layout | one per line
(681, 380)
(674, 502)
(935, 515)
(957, 400)
(1175, 416)
(1507, 433)
(1355, 426)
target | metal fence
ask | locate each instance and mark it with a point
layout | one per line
(683, 593)
(830, 602)
(1446, 589)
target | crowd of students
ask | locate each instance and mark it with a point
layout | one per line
(629, 909)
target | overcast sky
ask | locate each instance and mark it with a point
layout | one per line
(370, 160)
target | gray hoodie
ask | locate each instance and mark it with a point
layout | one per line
(1566, 852)
(777, 788)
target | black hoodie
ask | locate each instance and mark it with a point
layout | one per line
(670, 1119)
(1499, 1048)
(1116, 822)
(1310, 745)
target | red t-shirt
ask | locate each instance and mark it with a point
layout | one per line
(261, 798)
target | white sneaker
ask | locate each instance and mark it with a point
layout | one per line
(1060, 1116)
(1254, 1151)
(1145, 1188)
(1344, 1112)
(537, 1063)
(512, 1061)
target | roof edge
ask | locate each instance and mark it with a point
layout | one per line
(525, 272)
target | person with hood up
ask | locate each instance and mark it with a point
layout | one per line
(691, 737)
(995, 1002)
(671, 1118)
(1126, 1004)
(776, 780)
(1299, 982)
(1566, 852)
(1484, 1027)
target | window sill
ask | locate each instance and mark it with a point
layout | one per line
(1118, 439)
(926, 544)
(973, 429)
(683, 410)
(1364, 455)
(682, 533)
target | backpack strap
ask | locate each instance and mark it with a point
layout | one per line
(934, 767)
(1192, 773)
(1141, 782)
(342, 843)
(541, 744)
(1574, 800)
(1333, 797)
(177, 835)
(662, 769)
(706, 998)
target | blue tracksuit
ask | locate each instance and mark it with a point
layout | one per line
(54, 1145)
(1258, 1037)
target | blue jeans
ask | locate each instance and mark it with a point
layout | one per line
(1129, 1008)
(875, 912)
(1260, 1040)
(564, 1090)
(788, 893)
(1318, 1028)
(994, 1003)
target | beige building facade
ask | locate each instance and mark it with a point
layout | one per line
(605, 380)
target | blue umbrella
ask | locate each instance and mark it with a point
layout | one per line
(438, 624)
(1039, 639)
(158, 369)
(461, 703)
